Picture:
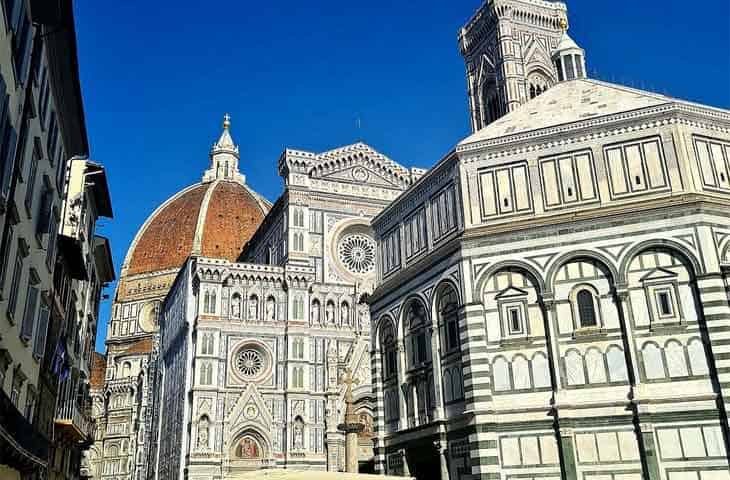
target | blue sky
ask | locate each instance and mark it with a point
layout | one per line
(158, 76)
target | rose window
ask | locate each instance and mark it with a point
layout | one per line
(249, 362)
(357, 253)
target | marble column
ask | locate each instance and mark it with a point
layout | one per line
(351, 426)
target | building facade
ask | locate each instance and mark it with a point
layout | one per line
(41, 125)
(252, 352)
(215, 218)
(83, 268)
(565, 310)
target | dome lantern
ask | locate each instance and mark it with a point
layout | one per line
(224, 157)
(568, 57)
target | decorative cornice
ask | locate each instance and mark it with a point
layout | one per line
(667, 114)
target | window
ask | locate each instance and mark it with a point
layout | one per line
(298, 377)
(443, 210)
(415, 233)
(664, 303)
(298, 348)
(15, 285)
(31, 302)
(417, 326)
(390, 251)
(388, 349)
(514, 315)
(30, 186)
(29, 404)
(21, 27)
(5, 254)
(586, 309)
(448, 318)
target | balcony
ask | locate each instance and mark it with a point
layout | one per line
(22, 447)
(73, 424)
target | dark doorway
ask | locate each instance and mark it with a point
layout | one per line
(423, 461)
(367, 467)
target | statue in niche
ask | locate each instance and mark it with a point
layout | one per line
(298, 434)
(203, 433)
(236, 306)
(270, 309)
(314, 313)
(363, 317)
(253, 307)
(330, 313)
(345, 313)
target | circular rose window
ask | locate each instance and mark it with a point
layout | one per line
(357, 253)
(249, 362)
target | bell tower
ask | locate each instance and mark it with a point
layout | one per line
(508, 48)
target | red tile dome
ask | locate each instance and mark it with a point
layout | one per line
(211, 219)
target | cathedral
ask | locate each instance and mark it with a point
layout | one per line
(550, 300)
(232, 343)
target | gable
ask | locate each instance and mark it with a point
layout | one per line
(360, 174)
(659, 274)
(360, 164)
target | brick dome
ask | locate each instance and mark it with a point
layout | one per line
(211, 219)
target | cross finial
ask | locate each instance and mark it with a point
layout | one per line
(226, 121)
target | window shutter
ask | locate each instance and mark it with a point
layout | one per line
(29, 317)
(10, 140)
(40, 338)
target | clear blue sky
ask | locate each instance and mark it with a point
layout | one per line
(158, 76)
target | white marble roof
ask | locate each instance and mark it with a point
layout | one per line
(570, 102)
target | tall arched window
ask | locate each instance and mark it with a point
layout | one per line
(417, 342)
(448, 318)
(388, 349)
(126, 369)
(586, 308)
(491, 101)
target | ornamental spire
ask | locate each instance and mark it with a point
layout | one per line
(224, 157)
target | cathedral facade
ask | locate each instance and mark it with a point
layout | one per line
(225, 353)
(252, 352)
(553, 295)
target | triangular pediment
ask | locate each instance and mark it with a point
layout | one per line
(511, 291)
(359, 163)
(658, 274)
(361, 175)
(250, 408)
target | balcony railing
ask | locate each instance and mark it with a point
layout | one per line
(74, 423)
(21, 445)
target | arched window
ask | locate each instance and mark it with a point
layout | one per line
(206, 302)
(676, 362)
(448, 318)
(697, 357)
(574, 370)
(388, 349)
(500, 373)
(212, 301)
(491, 103)
(540, 371)
(417, 338)
(126, 369)
(595, 366)
(653, 361)
(586, 308)
(616, 364)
